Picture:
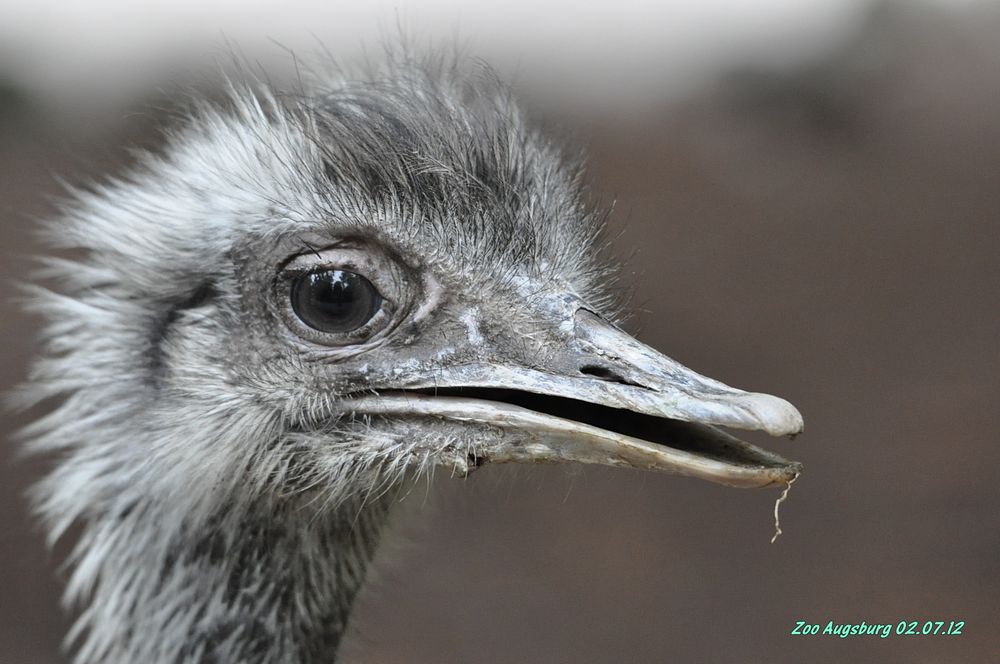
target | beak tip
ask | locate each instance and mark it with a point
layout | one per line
(776, 416)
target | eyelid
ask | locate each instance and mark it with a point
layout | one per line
(341, 257)
(308, 262)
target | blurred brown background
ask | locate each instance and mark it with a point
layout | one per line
(827, 232)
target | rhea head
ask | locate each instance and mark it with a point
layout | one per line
(301, 302)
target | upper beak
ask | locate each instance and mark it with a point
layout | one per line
(601, 396)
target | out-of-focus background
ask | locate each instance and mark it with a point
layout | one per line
(814, 192)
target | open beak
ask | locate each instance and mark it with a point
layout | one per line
(600, 396)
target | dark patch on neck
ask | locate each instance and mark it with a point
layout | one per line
(271, 559)
(200, 296)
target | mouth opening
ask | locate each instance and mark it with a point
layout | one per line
(699, 439)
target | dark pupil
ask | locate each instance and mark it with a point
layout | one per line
(334, 300)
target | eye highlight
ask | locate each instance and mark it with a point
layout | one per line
(334, 301)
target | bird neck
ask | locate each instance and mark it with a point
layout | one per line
(274, 585)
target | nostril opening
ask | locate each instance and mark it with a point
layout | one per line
(603, 373)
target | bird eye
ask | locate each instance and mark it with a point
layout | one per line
(334, 301)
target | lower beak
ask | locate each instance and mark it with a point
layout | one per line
(602, 398)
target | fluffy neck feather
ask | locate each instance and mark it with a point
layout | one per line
(275, 584)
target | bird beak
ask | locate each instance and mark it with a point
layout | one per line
(597, 396)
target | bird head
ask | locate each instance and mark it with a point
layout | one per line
(317, 293)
